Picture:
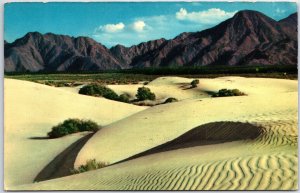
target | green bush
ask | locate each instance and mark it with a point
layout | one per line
(170, 100)
(228, 92)
(194, 83)
(70, 126)
(98, 90)
(144, 93)
(58, 83)
(90, 165)
(124, 98)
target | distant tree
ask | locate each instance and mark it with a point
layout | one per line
(144, 93)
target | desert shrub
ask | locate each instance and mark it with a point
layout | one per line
(145, 83)
(88, 125)
(144, 93)
(70, 126)
(148, 103)
(98, 90)
(49, 83)
(194, 83)
(90, 165)
(124, 98)
(170, 100)
(58, 83)
(228, 92)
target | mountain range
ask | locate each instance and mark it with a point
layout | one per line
(248, 38)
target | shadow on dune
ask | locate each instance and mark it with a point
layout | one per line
(38, 138)
(186, 87)
(207, 134)
(60, 166)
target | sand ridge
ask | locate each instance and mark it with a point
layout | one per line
(240, 165)
(173, 120)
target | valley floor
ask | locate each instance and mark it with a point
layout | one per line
(198, 143)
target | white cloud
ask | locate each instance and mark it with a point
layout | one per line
(212, 15)
(181, 14)
(141, 29)
(111, 28)
(138, 26)
(279, 11)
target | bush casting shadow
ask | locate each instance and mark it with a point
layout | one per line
(144, 93)
(70, 126)
(228, 92)
(170, 100)
(194, 83)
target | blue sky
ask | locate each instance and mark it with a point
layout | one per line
(112, 23)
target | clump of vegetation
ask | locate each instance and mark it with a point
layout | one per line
(103, 91)
(58, 83)
(98, 90)
(194, 83)
(124, 98)
(145, 83)
(170, 100)
(70, 126)
(90, 165)
(144, 93)
(228, 92)
(149, 103)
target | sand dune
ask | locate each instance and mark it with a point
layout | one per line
(180, 88)
(229, 166)
(182, 160)
(31, 110)
(159, 124)
(207, 134)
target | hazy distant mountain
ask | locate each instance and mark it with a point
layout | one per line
(248, 38)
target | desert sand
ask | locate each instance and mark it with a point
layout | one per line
(253, 145)
(31, 110)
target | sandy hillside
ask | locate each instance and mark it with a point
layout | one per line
(188, 169)
(267, 163)
(31, 110)
(162, 123)
(199, 143)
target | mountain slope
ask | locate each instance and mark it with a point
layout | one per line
(248, 38)
(52, 52)
(244, 39)
(289, 25)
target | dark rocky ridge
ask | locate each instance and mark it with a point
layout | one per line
(248, 38)
(50, 52)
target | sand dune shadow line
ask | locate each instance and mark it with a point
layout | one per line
(39, 138)
(207, 134)
(60, 166)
